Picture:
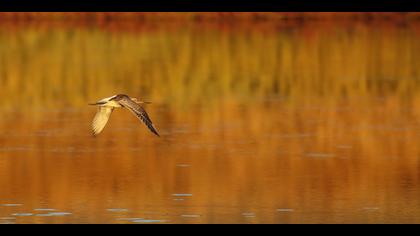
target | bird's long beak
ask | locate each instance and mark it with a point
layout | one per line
(143, 102)
(97, 103)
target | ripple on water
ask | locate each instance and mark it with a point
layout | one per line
(130, 219)
(248, 214)
(182, 194)
(319, 155)
(23, 214)
(7, 222)
(183, 165)
(292, 136)
(284, 210)
(148, 221)
(44, 209)
(15, 149)
(11, 204)
(54, 214)
(190, 216)
(117, 209)
(370, 208)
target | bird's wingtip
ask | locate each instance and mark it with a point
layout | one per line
(154, 130)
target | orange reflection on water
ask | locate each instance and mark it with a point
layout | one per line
(330, 164)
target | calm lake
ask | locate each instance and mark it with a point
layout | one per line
(316, 122)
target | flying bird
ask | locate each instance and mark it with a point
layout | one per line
(107, 105)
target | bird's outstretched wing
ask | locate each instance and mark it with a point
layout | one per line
(140, 113)
(101, 118)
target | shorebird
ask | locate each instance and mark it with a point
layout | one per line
(107, 105)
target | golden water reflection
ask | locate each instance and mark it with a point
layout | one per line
(301, 125)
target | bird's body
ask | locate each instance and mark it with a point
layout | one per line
(107, 105)
(108, 102)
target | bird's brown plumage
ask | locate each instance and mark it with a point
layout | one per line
(138, 111)
(107, 105)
